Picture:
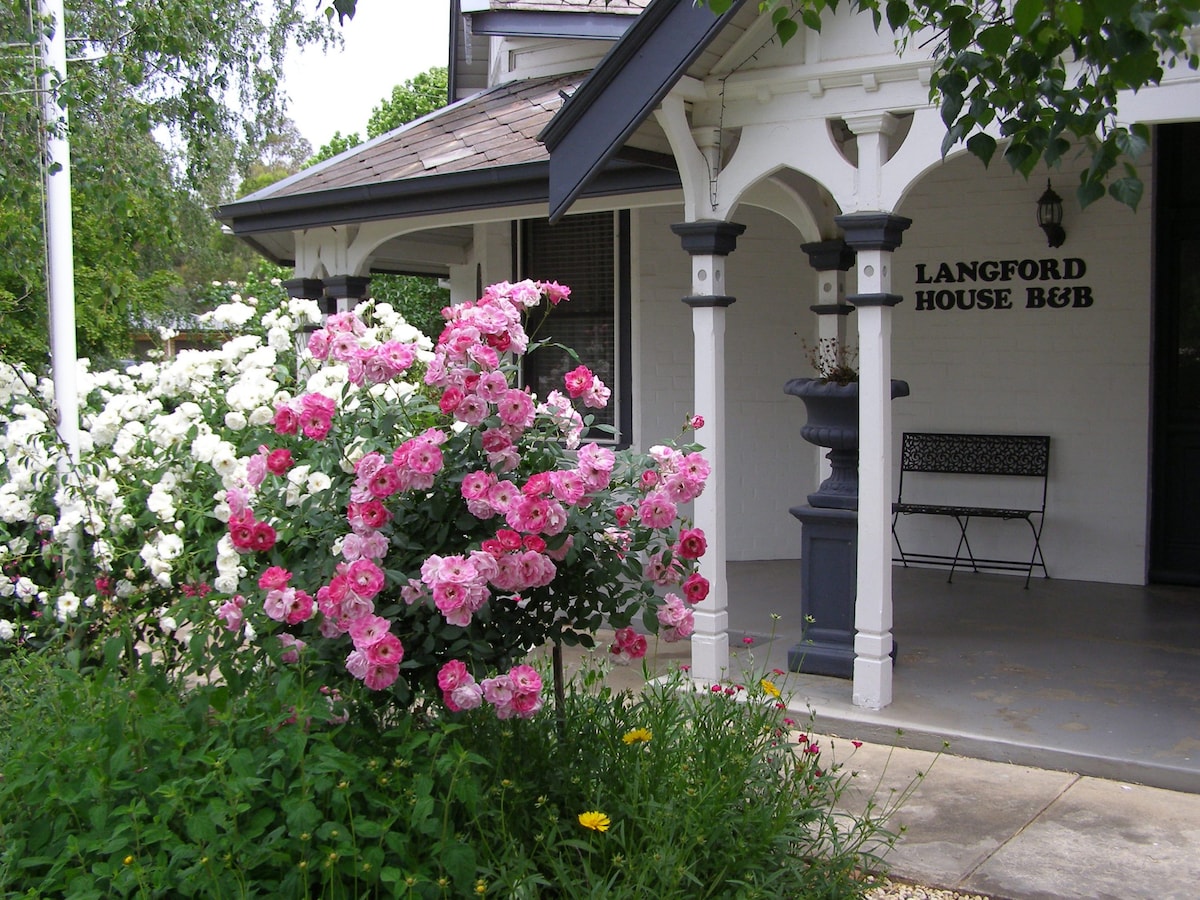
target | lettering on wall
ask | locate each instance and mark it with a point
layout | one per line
(988, 284)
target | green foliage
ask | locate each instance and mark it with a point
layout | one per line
(119, 784)
(416, 297)
(417, 97)
(338, 144)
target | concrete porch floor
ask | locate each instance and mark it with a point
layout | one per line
(1097, 679)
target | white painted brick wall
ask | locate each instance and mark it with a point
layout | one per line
(1079, 375)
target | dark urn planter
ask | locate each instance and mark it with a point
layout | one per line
(829, 530)
(833, 423)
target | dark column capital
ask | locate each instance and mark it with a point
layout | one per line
(703, 300)
(352, 287)
(874, 299)
(872, 230)
(832, 309)
(825, 256)
(304, 288)
(709, 237)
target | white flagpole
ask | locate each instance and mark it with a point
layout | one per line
(60, 273)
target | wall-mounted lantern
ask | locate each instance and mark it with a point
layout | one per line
(1049, 216)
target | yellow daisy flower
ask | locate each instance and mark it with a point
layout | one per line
(637, 735)
(596, 821)
(769, 687)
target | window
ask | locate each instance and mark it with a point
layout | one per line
(590, 254)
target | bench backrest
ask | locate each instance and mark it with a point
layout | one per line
(976, 454)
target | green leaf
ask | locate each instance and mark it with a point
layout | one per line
(1127, 190)
(951, 106)
(982, 146)
(1089, 191)
(1017, 155)
(962, 32)
(897, 14)
(1070, 15)
(1130, 143)
(1026, 14)
(786, 29)
(995, 40)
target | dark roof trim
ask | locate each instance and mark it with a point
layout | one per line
(429, 195)
(622, 92)
(585, 26)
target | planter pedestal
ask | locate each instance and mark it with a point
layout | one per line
(829, 531)
(828, 587)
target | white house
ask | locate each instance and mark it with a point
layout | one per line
(584, 136)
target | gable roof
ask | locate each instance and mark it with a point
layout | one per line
(479, 153)
(622, 92)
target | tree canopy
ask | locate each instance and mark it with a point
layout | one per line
(169, 103)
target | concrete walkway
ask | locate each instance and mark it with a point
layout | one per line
(1020, 833)
(1011, 832)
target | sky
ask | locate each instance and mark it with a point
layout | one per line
(386, 43)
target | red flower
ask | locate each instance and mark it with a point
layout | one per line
(692, 543)
(695, 588)
(279, 461)
(262, 538)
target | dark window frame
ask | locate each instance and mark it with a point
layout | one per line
(526, 235)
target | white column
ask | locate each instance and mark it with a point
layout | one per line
(874, 236)
(709, 243)
(873, 610)
(710, 640)
(60, 274)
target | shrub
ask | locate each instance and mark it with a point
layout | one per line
(133, 784)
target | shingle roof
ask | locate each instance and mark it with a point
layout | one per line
(496, 127)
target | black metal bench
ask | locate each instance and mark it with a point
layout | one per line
(1005, 455)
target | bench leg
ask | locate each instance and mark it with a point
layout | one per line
(963, 522)
(896, 538)
(1036, 558)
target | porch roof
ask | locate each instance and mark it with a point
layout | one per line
(479, 153)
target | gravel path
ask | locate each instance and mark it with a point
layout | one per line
(887, 889)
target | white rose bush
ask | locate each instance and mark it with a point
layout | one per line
(394, 511)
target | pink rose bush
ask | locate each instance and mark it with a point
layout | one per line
(466, 520)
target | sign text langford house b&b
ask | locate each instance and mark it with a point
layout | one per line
(989, 284)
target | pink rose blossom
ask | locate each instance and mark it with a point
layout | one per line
(274, 578)
(292, 647)
(379, 678)
(656, 510)
(366, 578)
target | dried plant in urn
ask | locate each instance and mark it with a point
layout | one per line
(833, 361)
